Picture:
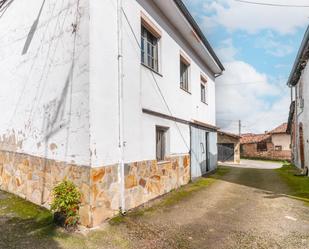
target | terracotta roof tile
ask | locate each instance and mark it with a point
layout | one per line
(256, 138)
(253, 138)
(280, 129)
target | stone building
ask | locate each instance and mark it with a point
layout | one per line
(274, 145)
(117, 96)
(299, 111)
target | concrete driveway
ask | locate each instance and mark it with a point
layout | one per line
(255, 164)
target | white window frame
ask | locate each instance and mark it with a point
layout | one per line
(161, 143)
(184, 75)
(204, 97)
(150, 44)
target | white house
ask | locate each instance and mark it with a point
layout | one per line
(299, 111)
(117, 96)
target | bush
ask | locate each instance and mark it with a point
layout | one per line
(65, 204)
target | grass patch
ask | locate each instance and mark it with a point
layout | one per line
(299, 185)
(22, 209)
(173, 197)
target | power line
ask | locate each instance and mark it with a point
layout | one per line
(248, 82)
(155, 81)
(273, 4)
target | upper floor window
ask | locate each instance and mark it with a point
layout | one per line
(203, 90)
(184, 74)
(149, 49)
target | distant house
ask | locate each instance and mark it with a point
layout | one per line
(299, 111)
(228, 147)
(271, 145)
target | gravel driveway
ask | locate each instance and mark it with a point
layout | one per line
(246, 208)
(243, 207)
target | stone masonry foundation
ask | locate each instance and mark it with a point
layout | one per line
(33, 179)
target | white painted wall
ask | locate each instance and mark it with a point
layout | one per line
(140, 85)
(283, 140)
(303, 117)
(44, 93)
(69, 113)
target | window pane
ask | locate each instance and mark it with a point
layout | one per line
(149, 49)
(184, 76)
(160, 144)
(203, 97)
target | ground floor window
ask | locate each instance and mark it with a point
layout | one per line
(278, 148)
(161, 143)
(262, 146)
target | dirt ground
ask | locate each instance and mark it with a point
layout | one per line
(242, 207)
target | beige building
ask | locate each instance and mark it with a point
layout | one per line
(228, 147)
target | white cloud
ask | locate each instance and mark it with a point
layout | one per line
(226, 51)
(242, 93)
(254, 18)
(272, 46)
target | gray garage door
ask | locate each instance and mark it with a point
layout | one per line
(226, 152)
(199, 152)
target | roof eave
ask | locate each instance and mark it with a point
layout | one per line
(298, 65)
(182, 7)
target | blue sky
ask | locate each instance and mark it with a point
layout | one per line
(257, 45)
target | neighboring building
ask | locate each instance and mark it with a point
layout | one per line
(228, 147)
(299, 110)
(114, 99)
(273, 145)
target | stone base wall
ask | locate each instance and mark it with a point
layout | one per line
(250, 151)
(33, 178)
(144, 181)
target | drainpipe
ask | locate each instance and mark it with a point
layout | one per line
(122, 207)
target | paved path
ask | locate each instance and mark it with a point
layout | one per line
(255, 164)
(244, 209)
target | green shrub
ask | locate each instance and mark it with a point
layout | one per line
(65, 204)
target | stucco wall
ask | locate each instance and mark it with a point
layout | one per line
(283, 140)
(140, 86)
(44, 90)
(302, 116)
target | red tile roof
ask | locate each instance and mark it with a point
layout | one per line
(228, 134)
(250, 138)
(280, 129)
(253, 138)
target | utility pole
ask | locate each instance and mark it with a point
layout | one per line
(239, 127)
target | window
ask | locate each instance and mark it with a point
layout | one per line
(262, 146)
(278, 148)
(149, 49)
(203, 90)
(160, 143)
(184, 74)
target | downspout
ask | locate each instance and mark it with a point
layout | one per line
(122, 208)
